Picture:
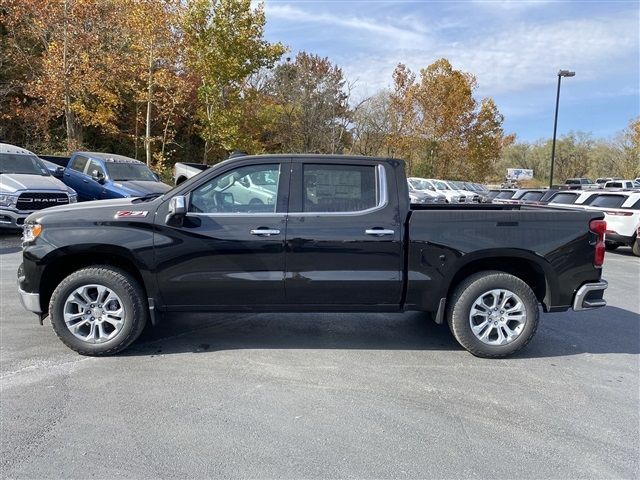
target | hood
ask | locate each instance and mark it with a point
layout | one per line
(92, 212)
(141, 187)
(14, 182)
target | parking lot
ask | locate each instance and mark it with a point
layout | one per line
(324, 396)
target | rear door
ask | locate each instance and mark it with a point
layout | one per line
(343, 235)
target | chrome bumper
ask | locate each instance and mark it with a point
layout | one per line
(30, 301)
(590, 295)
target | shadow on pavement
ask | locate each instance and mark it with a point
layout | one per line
(610, 330)
(10, 242)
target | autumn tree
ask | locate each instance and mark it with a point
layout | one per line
(311, 98)
(371, 126)
(224, 47)
(438, 124)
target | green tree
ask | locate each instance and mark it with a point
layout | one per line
(224, 47)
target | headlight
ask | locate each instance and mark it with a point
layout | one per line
(413, 198)
(8, 200)
(30, 231)
(73, 197)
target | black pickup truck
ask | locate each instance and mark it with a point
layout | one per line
(298, 233)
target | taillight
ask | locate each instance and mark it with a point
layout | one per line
(599, 227)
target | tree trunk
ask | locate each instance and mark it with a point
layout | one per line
(147, 135)
(74, 133)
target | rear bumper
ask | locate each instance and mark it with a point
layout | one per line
(590, 295)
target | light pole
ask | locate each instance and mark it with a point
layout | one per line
(561, 73)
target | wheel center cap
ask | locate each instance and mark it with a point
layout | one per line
(96, 312)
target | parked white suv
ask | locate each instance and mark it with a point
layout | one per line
(453, 196)
(622, 184)
(26, 186)
(622, 214)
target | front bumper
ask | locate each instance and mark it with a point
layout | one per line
(30, 301)
(11, 219)
(590, 296)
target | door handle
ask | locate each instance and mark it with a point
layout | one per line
(265, 232)
(378, 232)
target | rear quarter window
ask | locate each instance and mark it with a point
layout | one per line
(564, 198)
(532, 196)
(608, 201)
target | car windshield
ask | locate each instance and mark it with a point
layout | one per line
(25, 164)
(130, 171)
(421, 185)
(442, 186)
(457, 185)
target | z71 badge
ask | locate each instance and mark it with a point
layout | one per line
(131, 213)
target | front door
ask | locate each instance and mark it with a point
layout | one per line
(343, 236)
(229, 251)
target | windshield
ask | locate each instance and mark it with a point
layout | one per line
(442, 186)
(25, 164)
(421, 185)
(506, 194)
(458, 185)
(130, 171)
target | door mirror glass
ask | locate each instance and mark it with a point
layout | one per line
(97, 176)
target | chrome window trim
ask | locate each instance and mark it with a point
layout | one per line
(383, 200)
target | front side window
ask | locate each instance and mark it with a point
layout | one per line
(250, 189)
(339, 188)
(95, 169)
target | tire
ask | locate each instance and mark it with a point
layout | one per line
(122, 319)
(256, 201)
(479, 288)
(635, 247)
(610, 247)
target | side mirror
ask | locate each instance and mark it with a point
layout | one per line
(177, 209)
(59, 172)
(97, 176)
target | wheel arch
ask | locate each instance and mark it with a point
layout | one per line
(533, 270)
(59, 265)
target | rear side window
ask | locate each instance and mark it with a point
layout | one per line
(564, 198)
(339, 188)
(614, 185)
(532, 196)
(79, 163)
(608, 201)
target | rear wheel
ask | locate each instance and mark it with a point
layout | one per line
(98, 310)
(493, 314)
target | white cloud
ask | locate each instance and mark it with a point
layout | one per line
(410, 32)
(516, 59)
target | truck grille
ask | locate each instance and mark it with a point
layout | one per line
(40, 200)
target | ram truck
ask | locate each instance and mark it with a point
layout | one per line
(339, 235)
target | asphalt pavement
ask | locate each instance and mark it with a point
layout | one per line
(324, 396)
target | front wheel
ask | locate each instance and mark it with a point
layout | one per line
(493, 314)
(98, 310)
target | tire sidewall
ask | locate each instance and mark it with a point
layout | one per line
(459, 318)
(88, 277)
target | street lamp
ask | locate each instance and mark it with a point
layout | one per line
(561, 73)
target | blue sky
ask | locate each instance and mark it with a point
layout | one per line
(514, 48)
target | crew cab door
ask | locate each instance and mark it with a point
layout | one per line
(229, 250)
(344, 235)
